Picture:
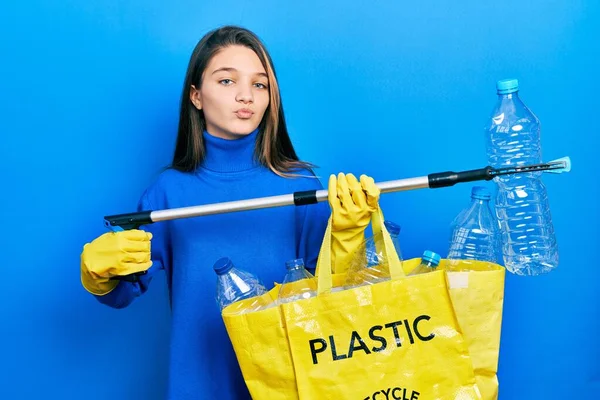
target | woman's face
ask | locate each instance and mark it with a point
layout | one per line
(234, 93)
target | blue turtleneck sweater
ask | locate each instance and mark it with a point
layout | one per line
(202, 361)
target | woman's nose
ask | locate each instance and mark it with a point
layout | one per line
(244, 95)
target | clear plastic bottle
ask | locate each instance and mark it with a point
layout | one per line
(474, 231)
(375, 257)
(513, 138)
(298, 282)
(369, 264)
(429, 262)
(394, 230)
(234, 284)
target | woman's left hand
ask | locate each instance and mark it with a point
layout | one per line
(352, 203)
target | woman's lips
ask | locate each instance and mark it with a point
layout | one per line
(244, 113)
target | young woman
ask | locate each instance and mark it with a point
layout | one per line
(232, 144)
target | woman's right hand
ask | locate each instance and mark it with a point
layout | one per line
(114, 254)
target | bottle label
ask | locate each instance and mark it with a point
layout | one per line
(458, 280)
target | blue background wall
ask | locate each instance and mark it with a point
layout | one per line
(393, 89)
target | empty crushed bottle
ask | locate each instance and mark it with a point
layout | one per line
(234, 284)
(429, 262)
(513, 138)
(474, 232)
(298, 283)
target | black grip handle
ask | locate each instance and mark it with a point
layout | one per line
(128, 221)
(305, 197)
(449, 178)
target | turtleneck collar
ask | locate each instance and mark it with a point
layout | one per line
(224, 155)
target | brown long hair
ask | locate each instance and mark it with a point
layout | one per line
(273, 145)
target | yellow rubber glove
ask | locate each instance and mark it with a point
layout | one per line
(352, 203)
(112, 254)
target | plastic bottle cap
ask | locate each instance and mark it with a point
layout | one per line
(506, 86)
(431, 257)
(393, 228)
(223, 265)
(480, 193)
(298, 262)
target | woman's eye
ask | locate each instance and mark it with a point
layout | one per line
(226, 82)
(260, 85)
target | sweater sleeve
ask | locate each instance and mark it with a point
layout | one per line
(311, 223)
(125, 292)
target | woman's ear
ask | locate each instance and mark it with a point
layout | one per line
(195, 97)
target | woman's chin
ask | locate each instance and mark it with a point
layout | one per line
(242, 130)
(233, 131)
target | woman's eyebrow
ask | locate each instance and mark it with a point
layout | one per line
(231, 69)
(227, 69)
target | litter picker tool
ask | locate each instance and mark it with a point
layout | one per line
(431, 181)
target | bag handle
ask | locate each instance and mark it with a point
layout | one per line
(389, 251)
(323, 271)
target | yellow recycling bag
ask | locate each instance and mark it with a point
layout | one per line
(262, 339)
(394, 339)
(397, 339)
